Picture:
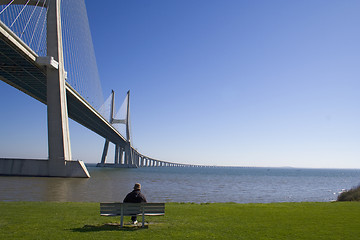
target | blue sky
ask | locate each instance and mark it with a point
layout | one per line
(231, 82)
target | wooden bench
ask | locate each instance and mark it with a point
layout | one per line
(132, 209)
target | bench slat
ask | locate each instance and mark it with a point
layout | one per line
(132, 208)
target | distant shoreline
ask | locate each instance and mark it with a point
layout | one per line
(285, 167)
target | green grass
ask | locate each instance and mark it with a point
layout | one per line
(51, 220)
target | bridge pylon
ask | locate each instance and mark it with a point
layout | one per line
(60, 158)
(124, 156)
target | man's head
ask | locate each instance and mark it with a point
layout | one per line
(137, 186)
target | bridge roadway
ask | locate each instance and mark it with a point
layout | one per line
(20, 69)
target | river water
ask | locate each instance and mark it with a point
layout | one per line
(166, 184)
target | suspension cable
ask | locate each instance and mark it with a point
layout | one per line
(7, 6)
(30, 18)
(20, 13)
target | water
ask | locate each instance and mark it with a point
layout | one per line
(241, 185)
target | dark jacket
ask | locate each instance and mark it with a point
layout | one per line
(135, 197)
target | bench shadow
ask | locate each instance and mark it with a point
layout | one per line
(109, 227)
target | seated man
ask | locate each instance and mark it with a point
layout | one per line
(135, 197)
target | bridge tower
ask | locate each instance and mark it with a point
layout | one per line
(58, 124)
(106, 145)
(120, 150)
(60, 163)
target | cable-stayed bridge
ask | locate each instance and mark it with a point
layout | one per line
(46, 52)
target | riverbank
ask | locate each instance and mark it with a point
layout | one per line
(307, 220)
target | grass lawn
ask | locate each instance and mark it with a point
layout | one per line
(52, 220)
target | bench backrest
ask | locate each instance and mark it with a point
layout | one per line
(128, 209)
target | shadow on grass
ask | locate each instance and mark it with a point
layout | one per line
(108, 227)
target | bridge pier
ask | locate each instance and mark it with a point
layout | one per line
(105, 151)
(117, 150)
(121, 155)
(136, 160)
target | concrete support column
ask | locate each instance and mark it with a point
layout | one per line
(105, 151)
(121, 151)
(59, 163)
(133, 159)
(57, 114)
(128, 156)
(117, 151)
(136, 159)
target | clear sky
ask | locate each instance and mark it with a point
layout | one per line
(231, 82)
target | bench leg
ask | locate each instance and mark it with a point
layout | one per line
(143, 219)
